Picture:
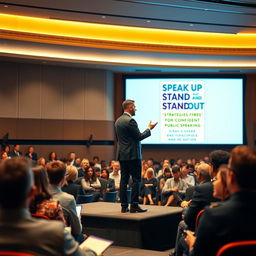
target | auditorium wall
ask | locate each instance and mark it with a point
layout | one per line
(161, 152)
(44, 103)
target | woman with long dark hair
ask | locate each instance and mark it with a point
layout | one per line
(91, 183)
(43, 204)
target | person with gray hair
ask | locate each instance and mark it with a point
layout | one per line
(19, 231)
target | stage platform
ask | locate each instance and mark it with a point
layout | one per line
(153, 230)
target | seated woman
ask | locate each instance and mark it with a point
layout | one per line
(91, 183)
(70, 187)
(110, 186)
(43, 203)
(52, 156)
(148, 187)
(220, 184)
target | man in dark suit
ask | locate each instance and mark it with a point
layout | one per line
(129, 154)
(203, 194)
(233, 220)
(16, 151)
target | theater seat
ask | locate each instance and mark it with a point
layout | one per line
(198, 218)
(11, 253)
(110, 196)
(84, 199)
(239, 248)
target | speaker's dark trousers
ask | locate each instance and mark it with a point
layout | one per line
(130, 168)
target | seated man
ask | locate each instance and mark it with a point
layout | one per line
(174, 188)
(233, 220)
(19, 231)
(56, 172)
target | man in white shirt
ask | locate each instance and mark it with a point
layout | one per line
(115, 175)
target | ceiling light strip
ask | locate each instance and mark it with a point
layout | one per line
(114, 33)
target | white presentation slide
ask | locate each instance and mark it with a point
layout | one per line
(189, 110)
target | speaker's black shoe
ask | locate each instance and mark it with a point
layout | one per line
(124, 209)
(137, 208)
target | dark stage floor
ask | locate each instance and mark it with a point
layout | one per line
(154, 230)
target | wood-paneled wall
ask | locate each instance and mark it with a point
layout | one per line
(44, 102)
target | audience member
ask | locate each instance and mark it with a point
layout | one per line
(85, 164)
(70, 186)
(203, 176)
(7, 149)
(116, 175)
(16, 151)
(174, 188)
(148, 187)
(165, 165)
(91, 183)
(110, 186)
(77, 162)
(71, 158)
(4, 155)
(203, 194)
(96, 162)
(56, 172)
(231, 220)
(144, 167)
(52, 156)
(31, 154)
(41, 161)
(220, 189)
(43, 203)
(189, 179)
(19, 231)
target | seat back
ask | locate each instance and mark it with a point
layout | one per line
(110, 196)
(39, 216)
(84, 199)
(239, 248)
(198, 218)
(11, 253)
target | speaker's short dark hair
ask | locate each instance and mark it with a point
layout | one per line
(127, 103)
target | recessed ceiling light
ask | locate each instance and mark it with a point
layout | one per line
(5, 6)
(148, 21)
(103, 17)
(191, 25)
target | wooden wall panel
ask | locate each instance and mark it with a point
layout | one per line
(8, 125)
(73, 130)
(29, 91)
(109, 96)
(52, 92)
(74, 100)
(52, 130)
(95, 99)
(28, 128)
(9, 89)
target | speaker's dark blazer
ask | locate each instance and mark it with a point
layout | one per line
(129, 137)
(232, 220)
